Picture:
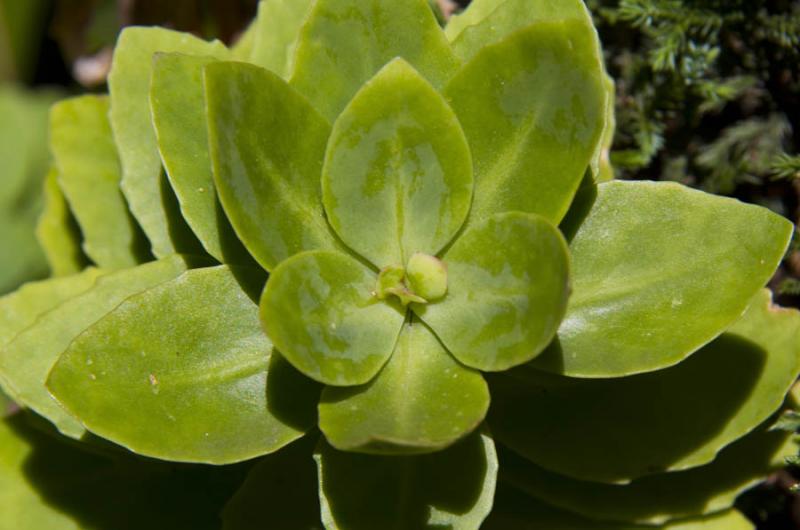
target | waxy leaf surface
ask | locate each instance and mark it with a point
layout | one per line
(532, 107)
(281, 489)
(508, 282)
(663, 497)
(129, 86)
(453, 488)
(545, 416)
(183, 372)
(89, 175)
(276, 32)
(267, 146)
(659, 271)
(514, 510)
(177, 101)
(320, 312)
(344, 43)
(397, 176)
(46, 484)
(21, 308)
(421, 401)
(57, 231)
(486, 22)
(26, 361)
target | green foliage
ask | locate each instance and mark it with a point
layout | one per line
(358, 278)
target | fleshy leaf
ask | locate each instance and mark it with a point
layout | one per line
(421, 401)
(321, 312)
(397, 176)
(508, 283)
(545, 417)
(659, 271)
(532, 107)
(344, 43)
(177, 100)
(58, 232)
(663, 497)
(203, 387)
(453, 488)
(277, 29)
(486, 22)
(26, 361)
(149, 197)
(515, 510)
(21, 308)
(46, 484)
(25, 161)
(267, 146)
(280, 489)
(89, 175)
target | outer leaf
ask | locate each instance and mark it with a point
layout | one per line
(267, 144)
(486, 22)
(508, 288)
(532, 107)
(516, 510)
(277, 29)
(664, 497)
(660, 270)
(448, 489)
(89, 175)
(46, 484)
(23, 140)
(546, 417)
(422, 400)
(398, 158)
(26, 361)
(21, 308)
(58, 232)
(183, 372)
(344, 43)
(319, 311)
(129, 86)
(281, 489)
(177, 101)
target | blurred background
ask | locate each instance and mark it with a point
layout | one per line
(707, 94)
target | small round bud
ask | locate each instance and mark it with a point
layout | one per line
(426, 276)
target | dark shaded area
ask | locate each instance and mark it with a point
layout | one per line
(123, 491)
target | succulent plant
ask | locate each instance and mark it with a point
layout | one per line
(377, 255)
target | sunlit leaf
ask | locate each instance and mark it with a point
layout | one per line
(26, 360)
(507, 290)
(546, 417)
(344, 43)
(267, 145)
(398, 158)
(422, 400)
(89, 175)
(177, 100)
(659, 271)
(320, 312)
(532, 107)
(183, 372)
(148, 195)
(486, 22)
(276, 31)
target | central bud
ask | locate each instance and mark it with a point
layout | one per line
(422, 280)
